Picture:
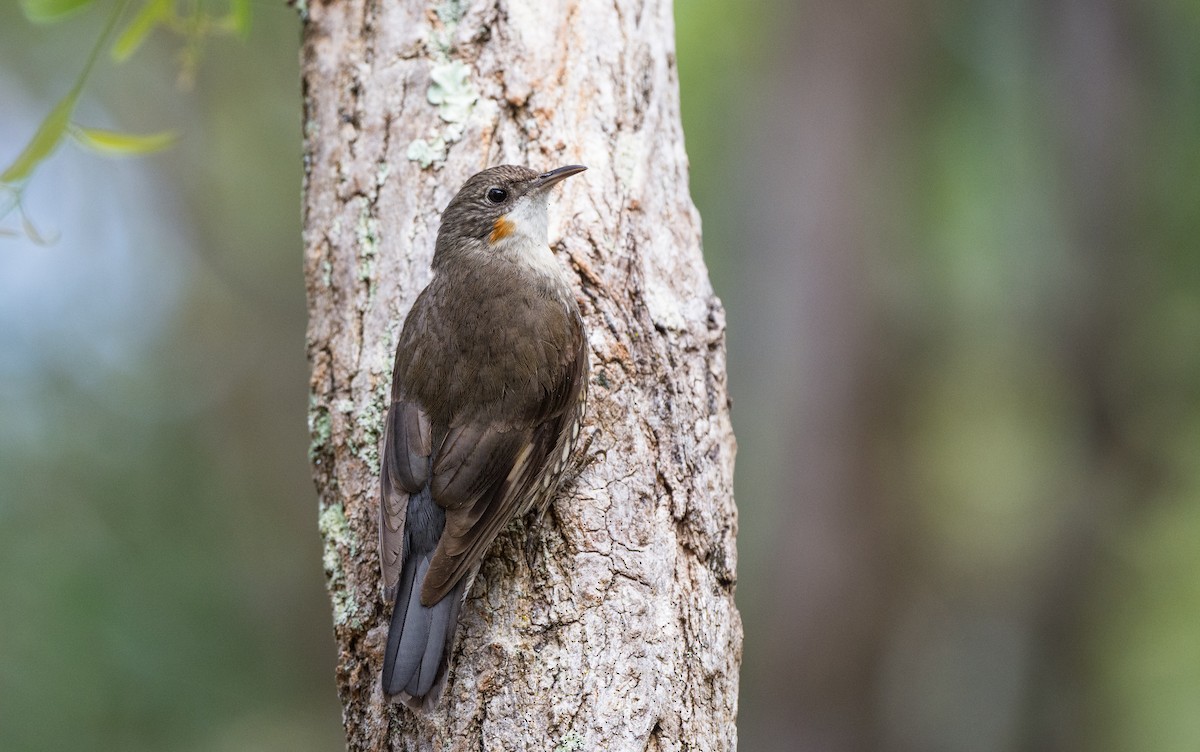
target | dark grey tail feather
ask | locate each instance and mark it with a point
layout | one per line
(420, 639)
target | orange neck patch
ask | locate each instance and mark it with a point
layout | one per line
(501, 229)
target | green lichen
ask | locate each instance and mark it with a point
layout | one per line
(367, 449)
(572, 742)
(451, 12)
(368, 233)
(368, 248)
(451, 91)
(369, 417)
(336, 534)
(319, 426)
(425, 153)
(345, 609)
(335, 531)
(372, 417)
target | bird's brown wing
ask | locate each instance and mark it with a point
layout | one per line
(403, 471)
(486, 473)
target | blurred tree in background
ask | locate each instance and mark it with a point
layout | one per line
(957, 244)
(160, 572)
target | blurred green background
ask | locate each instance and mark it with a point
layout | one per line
(957, 244)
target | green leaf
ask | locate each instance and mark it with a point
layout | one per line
(49, 11)
(114, 143)
(139, 28)
(238, 19)
(47, 138)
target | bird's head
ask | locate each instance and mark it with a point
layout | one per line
(499, 207)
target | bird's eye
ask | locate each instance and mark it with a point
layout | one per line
(497, 195)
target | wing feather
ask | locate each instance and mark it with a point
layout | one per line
(485, 474)
(404, 471)
(472, 458)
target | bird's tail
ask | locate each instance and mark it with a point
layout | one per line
(420, 638)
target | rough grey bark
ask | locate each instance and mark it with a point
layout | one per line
(610, 625)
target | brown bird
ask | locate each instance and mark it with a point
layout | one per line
(488, 393)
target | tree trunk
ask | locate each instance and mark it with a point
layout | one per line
(609, 625)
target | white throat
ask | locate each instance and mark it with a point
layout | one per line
(529, 243)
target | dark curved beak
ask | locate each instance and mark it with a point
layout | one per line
(547, 179)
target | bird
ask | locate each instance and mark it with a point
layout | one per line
(488, 393)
